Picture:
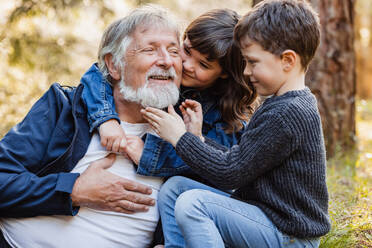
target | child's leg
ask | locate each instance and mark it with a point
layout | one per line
(207, 219)
(167, 197)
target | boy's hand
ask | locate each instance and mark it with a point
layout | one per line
(193, 117)
(134, 148)
(168, 126)
(112, 136)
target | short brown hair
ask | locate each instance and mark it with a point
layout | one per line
(278, 25)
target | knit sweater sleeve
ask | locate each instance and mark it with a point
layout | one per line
(265, 144)
(215, 145)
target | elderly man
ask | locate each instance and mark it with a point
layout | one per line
(46, 161)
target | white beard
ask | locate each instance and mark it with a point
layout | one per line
(156, 96)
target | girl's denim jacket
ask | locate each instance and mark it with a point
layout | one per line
(159, 158)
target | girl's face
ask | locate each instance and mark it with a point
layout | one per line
(198, 72)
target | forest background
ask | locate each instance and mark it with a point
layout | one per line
(46, 41)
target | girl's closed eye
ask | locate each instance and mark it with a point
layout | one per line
(204, 65)
(187, 50)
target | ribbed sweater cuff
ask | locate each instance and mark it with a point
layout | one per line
(187, 142)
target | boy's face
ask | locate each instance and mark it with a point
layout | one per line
(264, 69)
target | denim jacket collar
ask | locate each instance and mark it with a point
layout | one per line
(210, 111)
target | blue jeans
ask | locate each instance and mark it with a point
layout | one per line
(195, 215)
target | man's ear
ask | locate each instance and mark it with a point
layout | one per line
(289, 59)
(114, 72)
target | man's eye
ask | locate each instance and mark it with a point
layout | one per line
(174, 51)
(148, 49)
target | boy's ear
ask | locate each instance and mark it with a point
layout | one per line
(289, 59)
(114, 72)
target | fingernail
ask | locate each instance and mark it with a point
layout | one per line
(152, 202)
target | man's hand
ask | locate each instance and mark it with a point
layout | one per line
(193, 117)
(134, 148)
(112, 136)
(99, 189)
(168, 126)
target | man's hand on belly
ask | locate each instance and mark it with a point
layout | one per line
(99, 189)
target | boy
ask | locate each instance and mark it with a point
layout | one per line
(278, 169)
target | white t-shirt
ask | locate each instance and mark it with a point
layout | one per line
(91, 228)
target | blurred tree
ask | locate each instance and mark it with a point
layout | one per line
(363, 47)
(40, 44)
(30, 47)
(331, 75)
(256, 2)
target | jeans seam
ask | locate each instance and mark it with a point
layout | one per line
(273, 228)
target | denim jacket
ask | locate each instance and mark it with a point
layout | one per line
(37, 155)
(159, 157)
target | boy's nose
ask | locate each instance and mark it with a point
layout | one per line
(247, 71)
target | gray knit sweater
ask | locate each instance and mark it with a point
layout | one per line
(279, 164)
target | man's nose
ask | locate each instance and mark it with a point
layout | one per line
(165, 60)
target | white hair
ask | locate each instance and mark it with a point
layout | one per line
(117, 37)
(152, 95)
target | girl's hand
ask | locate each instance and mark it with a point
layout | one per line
(134, 148)
(168, 126)
(193, 117)
(112, 136)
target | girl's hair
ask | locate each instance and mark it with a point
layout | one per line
(212, 34)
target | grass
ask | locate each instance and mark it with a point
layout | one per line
(349, 181)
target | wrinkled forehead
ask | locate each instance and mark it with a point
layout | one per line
(156, 35)
(156, 27)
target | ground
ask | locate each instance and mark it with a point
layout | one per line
(349, 179)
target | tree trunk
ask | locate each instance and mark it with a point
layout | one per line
(254, 2)
(332, 74)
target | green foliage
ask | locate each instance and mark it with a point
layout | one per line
(365, 110)
(38, 46)
(30, 8)
(34, 54)
(349, 206)
(350, 186)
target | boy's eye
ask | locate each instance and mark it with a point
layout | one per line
(252, 62)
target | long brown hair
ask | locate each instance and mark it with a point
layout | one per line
(212, 34)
